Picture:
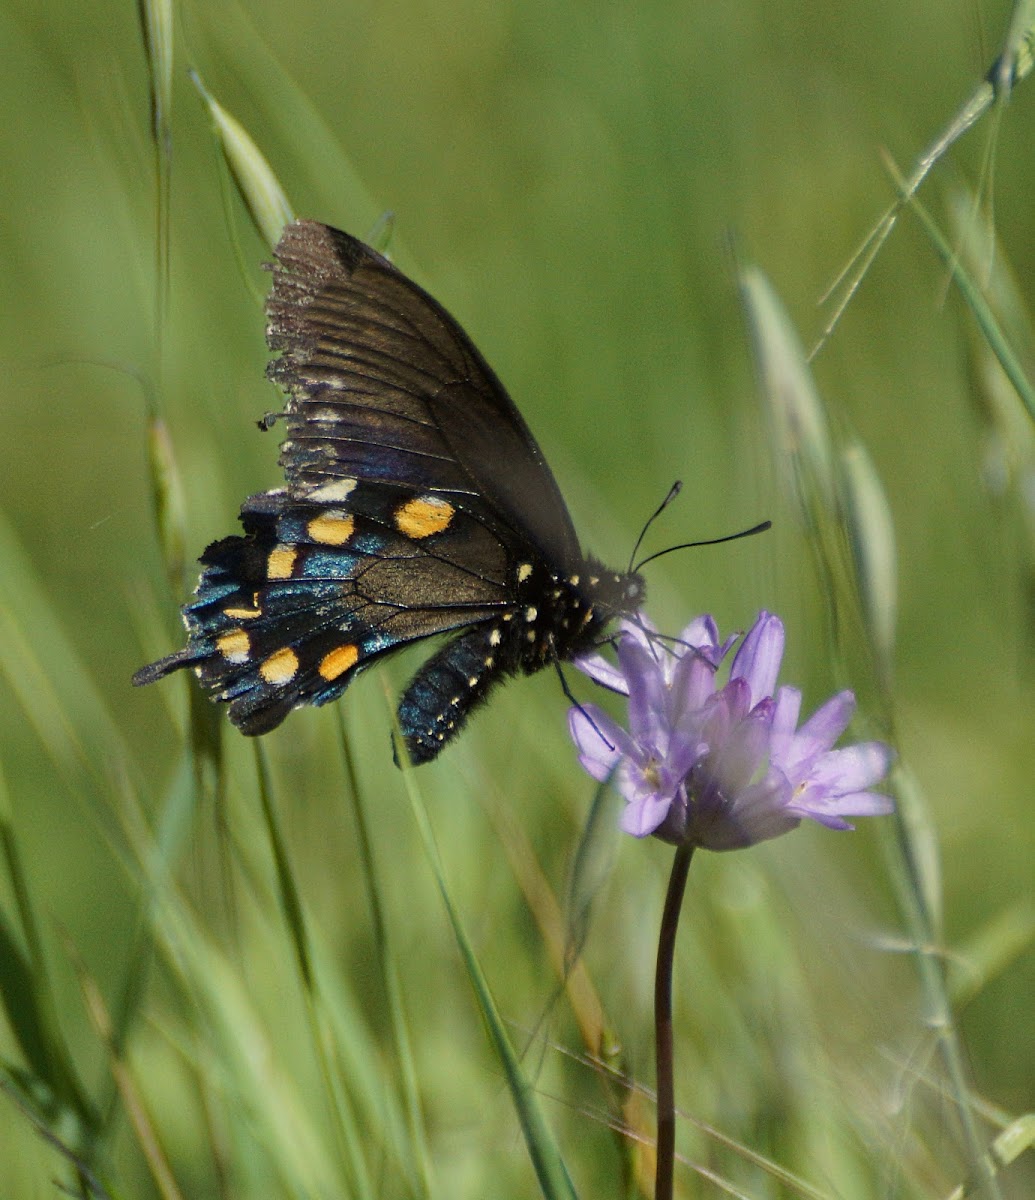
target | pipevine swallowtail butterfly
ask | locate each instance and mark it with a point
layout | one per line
(417, 503)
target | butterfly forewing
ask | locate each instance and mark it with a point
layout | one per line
(417, 503)
(382, 378)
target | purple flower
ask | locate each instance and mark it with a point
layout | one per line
(722, 768)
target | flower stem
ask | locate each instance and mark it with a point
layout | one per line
(666, 1147)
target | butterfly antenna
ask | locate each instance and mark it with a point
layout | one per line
(567, 691)
(673, 492)
(730, 537)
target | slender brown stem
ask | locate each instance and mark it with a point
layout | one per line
(666, 1148)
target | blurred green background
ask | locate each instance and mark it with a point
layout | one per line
(568, 179)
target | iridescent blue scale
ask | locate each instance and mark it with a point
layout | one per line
(331, 565)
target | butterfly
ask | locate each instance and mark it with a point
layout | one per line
(417, 503)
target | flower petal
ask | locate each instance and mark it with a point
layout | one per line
(701, 632)
(852, 768)
(738, 759)
(758, 659)
(692, 682)
(825, 808)
(786, 712)
(756, 814)
(597, 667)
(642, 817)
(648, 696)
(830, 821)
(826, 724)
(702, 637)
(601, 743)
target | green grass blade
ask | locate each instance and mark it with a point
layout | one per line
(978, 305)
(239, 1061)
(1013, 65)
(1016, 57)
(1005, 1149)
(26, 992)
(259, 187)
(871, 536)
(554, 1180)
(797, 420)
(158, 27)
(232, 44)
(386, 958)
(291, 907)
(46, 674)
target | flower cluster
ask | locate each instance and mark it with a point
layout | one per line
(722, 767)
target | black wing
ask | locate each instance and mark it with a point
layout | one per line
(417, 500)
(385, 385)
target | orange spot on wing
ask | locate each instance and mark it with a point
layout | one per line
(280, 667)
(423, 516)
(235, 646)
(331, 528)
(242, 614)
(338, 661)
(281, 562)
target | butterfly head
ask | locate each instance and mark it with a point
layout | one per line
(613, 594)
(589, 600)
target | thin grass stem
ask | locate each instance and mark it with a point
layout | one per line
(663, 1024)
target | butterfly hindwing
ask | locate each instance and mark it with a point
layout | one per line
(417, 504)
(289, 613)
